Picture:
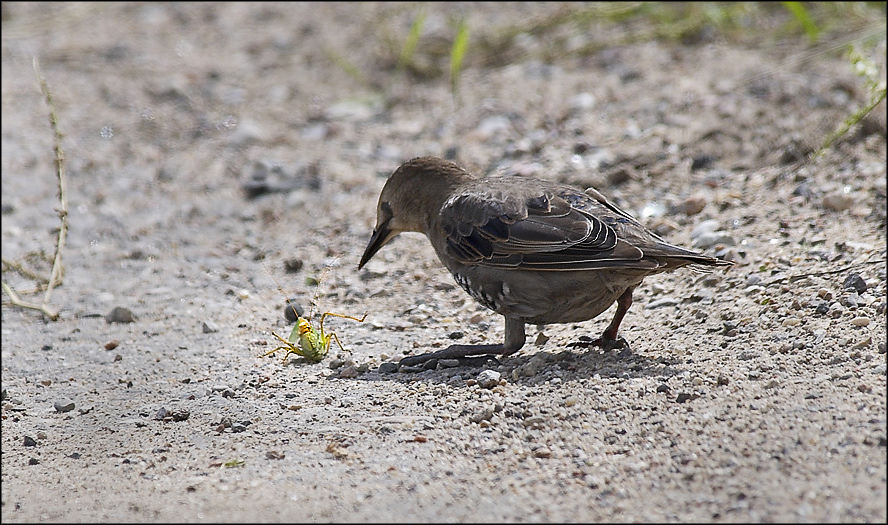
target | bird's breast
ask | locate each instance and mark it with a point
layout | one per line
(545, 297)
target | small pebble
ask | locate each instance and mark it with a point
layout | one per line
(839, 201)
(482, 415)
(209, 327)
(582, 101)
(659, 303)
(64, 405)
(293, 311)
(850, 300)
(349, 372)
(120, 315)
(542, 453)
(488, 378)
(791, 321)
(388, 368)
(293, 265)
(702, 161)
(692, 205)
(863, 344)
(860, 321)
(111, 345)
(855, 282)
(180, 414)
(30, 442)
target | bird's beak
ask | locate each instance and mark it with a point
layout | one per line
(381, 236)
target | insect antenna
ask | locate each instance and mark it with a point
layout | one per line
(293, 311)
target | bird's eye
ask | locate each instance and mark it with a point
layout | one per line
(386, 210)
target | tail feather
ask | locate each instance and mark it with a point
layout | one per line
(671, 256)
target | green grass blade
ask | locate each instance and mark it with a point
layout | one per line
(412, 40)
(800, 12)
(458, 53)
(868, 70)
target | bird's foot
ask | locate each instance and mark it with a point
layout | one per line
(462, 355)
(604, 342)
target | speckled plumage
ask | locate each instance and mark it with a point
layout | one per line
(532, 250)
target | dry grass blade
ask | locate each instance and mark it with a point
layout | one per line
(57, 271)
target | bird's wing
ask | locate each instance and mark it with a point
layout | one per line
(556, 228)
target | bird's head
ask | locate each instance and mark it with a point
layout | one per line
(411, 198)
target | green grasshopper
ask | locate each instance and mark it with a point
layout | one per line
(304, 340)
(311, 344)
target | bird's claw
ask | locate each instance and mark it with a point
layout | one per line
(429, 361)
(605, 343)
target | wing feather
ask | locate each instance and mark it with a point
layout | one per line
(496, 224)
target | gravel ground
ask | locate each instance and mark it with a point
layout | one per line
(215, 150)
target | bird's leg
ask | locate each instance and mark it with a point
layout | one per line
(609, 339)
(514, 340)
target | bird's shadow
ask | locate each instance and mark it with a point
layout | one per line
(533, 367)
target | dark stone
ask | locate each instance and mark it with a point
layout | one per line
(120, 315)
(293, 311)
(701, 162)
(855, 282)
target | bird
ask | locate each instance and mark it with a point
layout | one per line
(532, 250)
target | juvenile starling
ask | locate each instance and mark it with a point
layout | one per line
(532, 250)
